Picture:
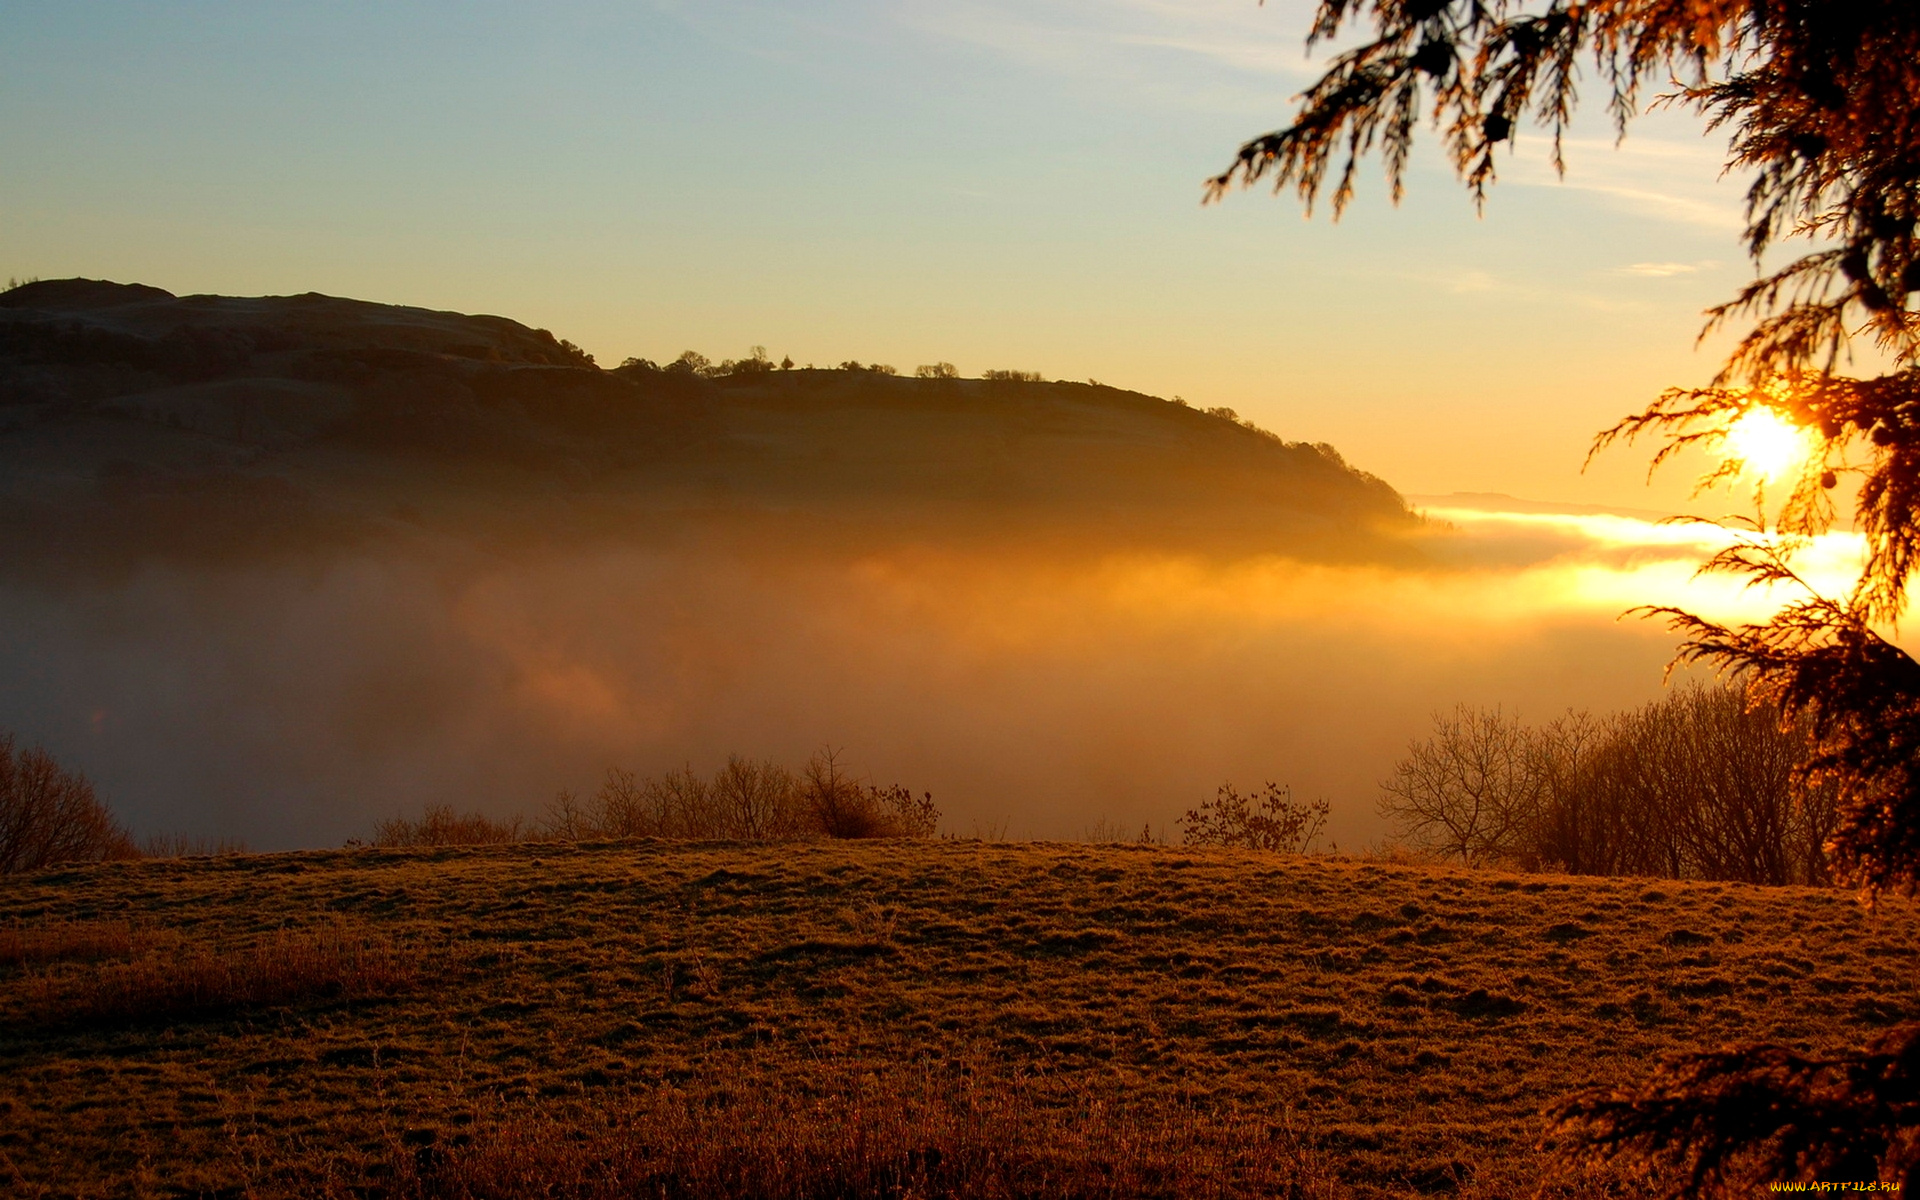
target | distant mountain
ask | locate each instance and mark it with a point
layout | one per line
(134, 419)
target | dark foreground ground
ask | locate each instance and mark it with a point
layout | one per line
(288, 1024)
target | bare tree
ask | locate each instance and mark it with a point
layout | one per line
(1622, 813)
(1701, 784)
(620, 808)
(49, 815)
(1469, 790)
(1735, 765)
(678, 804)
(758, 800)
(1567, 824)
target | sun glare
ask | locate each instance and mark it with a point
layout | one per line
(1765, 443)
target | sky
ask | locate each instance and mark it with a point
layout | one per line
(982, 182)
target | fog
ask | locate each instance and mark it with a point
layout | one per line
(1035, 692)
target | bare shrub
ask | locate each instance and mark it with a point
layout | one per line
(621, 808)
(49, 815)
(1590, 820)
(677, 804)
(835, 799)
(179, 845)
(906, 815)
(842, 807)
(680, 802)
(939, 370)
(1270, 819)
(569, 819)
(745, 799)
(1003, 376)
(285, 967)
(441, 826)
(883, 1138)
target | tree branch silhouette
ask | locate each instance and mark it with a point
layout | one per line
(1822, 102)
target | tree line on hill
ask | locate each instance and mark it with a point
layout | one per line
(1700, 784)
(757, 362)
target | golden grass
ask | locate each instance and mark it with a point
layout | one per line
(894, 1135)
(283, 967)
(1404, 1024)
(23, 942)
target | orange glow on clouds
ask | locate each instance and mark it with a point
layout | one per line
(1504, 577)
(1617, 562)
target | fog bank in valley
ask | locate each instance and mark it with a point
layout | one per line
(1035, 691)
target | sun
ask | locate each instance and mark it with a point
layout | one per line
(1765, 443)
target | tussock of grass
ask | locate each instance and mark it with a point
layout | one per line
(24, 944)
(876, 1138)
(285, 967)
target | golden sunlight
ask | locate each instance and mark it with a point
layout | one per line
(1765, 443)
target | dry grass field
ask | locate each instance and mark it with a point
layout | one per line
(893, 1018)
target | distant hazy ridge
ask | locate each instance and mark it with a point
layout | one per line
(235, 417)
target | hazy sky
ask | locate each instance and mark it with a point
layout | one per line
(991, 183)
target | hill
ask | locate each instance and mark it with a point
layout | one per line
(153, 419)
(333, 1020)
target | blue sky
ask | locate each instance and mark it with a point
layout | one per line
(991, 183)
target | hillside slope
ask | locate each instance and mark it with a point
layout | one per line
(1413, 1021)
(130, 404)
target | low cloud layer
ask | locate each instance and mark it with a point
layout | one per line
(1037, 693)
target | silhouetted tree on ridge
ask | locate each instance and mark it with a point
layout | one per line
(50, 815)
(1823, 102)
(1696, 785)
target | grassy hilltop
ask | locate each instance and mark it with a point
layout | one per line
(298, 1021)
